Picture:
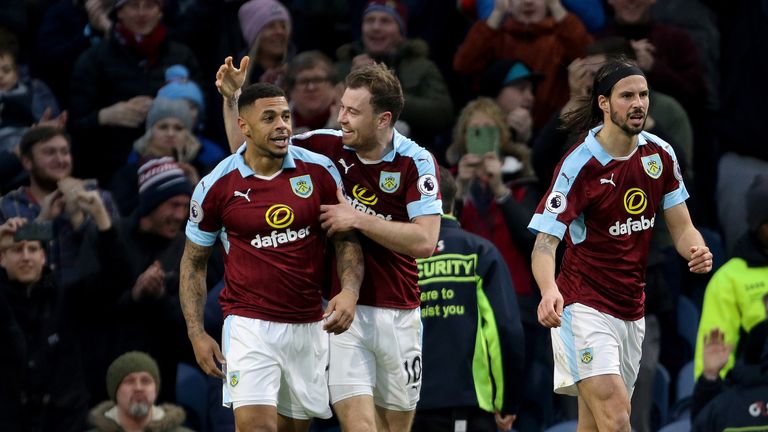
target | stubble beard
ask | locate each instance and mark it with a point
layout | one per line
(629, 130)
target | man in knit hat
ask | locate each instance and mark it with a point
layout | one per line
(266, 27)
(733, 301)
(153, 243)
(133, 382)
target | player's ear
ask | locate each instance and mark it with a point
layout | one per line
(602, 102)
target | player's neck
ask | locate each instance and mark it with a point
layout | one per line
(615, 141)
(262, 164)
(382, 146)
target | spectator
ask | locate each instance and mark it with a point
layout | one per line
(24, 101)
(512, 85)
(733, 300)
(428, 107)
(522, 30)
(486, 364)
(133, 383)
(168, 135)
(313, 92)
(149, 315)
(52, 196)
(737, 403)
(266, 27)
(665, 53)
(67, 29)
(42, 324)
(178, 86)
(114, 82)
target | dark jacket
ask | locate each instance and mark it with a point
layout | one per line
(737, 403)
(473, 337)
(105, 74)
(171, 420)
(43, 326)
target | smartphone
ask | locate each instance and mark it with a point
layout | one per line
(482, 139)
(42, 231)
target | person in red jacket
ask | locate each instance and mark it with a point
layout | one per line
(524, 30)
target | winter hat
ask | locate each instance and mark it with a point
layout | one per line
(179, 86)
(160, 179)
(757, 202)
(163, 108)
(393, 8)
(128, 363)
(503, 73)
(256, 14)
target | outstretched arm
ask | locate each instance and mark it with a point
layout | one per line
(350, 267)
(543, 266)
(192, 294)
(229, 81)
(687, 239)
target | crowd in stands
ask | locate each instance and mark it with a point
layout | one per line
(109, 116)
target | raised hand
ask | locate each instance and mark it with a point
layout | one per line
(230, 79)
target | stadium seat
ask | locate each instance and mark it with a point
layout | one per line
(191, 394)
(660, 409)
(683, 425)
(683, 392)
(687, 322)
(566, 426)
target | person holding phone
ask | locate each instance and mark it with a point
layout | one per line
(496, 196)
(52, 196)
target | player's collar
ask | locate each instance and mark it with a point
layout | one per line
(245, 170)
(390, 156)
(598, 151)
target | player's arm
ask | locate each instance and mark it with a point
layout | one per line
(350, 266)
(687, 239)
(192, 295)
(543, 267)
(417, 238)
(229, 81)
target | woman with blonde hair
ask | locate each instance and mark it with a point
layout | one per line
(497, 194)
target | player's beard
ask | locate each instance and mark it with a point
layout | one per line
(623, 125)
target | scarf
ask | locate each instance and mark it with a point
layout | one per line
(147, 47)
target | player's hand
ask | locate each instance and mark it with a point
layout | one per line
(340, 312)
(715, 353)
(339, 217)
(701, 260)
(207, 353)
(550, 308)
(504, 422)
(230, 79)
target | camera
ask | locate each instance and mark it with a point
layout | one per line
(42, 231)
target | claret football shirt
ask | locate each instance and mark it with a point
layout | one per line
(403, 185)
(274, 247)
(605, 208)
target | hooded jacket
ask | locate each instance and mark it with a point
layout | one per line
(166, 418)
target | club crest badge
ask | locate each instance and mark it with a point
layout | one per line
(302, 186)
(586, 355)
(234, 378)
(652, 165)
(389, 182)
